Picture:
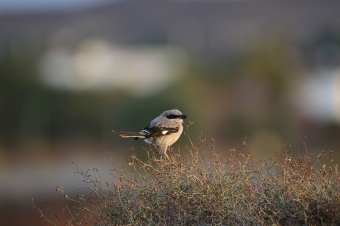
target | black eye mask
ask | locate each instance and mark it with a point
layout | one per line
(176, 116)
(172, 116)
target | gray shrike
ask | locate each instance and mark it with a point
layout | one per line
(162, 132)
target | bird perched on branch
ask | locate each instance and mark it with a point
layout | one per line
(162, 132)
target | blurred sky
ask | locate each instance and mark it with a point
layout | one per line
(12, 6)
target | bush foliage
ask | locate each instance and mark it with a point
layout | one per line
(209, 189)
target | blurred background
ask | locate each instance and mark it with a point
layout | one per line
(71, 71)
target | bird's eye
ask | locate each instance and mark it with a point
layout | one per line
(171, 116)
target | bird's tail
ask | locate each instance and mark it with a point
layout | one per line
(135, 135)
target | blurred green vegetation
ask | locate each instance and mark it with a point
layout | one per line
(29, 109)
(230, 97)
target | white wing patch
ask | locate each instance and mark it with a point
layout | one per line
(147, 141)
(165, 132)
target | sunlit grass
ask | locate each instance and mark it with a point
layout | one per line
(202, 187)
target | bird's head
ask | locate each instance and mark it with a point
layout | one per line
(174, 115)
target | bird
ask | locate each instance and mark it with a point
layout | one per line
(162, 132)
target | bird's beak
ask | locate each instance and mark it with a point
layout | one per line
(183, 117)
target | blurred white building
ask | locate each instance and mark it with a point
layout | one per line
(98, 65)
(317, 96)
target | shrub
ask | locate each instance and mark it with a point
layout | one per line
(210, 189)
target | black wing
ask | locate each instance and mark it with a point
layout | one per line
(157, 131)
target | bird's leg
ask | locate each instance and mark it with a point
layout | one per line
(166, 155)
(162, 151)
